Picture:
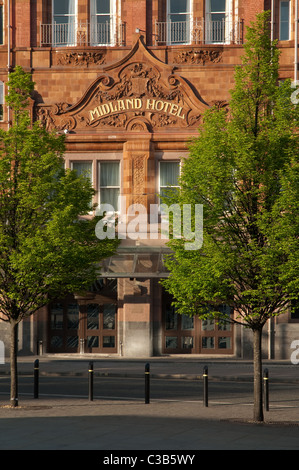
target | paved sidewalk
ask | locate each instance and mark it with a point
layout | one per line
(102, 425)
(124, 425)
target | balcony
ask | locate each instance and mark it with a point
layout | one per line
(199, 31)
(82, 34)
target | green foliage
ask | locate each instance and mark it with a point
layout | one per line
(20, 88)
(47, 241)
(243, 169)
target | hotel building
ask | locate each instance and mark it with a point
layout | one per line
(128, 82)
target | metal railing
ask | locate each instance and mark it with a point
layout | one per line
(82, 34)
(199, 31)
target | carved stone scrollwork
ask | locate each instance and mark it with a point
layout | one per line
(198, 56)
(80, 58)
(139, 177)
(139, 96)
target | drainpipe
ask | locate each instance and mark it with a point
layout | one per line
(8, 55)
(271, 331)
(272, 20)
(296, 43)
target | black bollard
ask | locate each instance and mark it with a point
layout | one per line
(147, 382)
(266, 390)
(205, 386)
(36, 377)
(90, 381)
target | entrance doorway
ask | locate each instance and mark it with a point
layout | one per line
(86, 324)
(190, 335)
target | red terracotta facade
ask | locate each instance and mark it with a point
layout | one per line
(129, 81)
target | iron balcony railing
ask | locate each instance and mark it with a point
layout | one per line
(82, 34)
(199, 31)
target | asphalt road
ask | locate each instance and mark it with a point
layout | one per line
(130, 388)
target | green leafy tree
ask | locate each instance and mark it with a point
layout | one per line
(243, 170)
(47, 242)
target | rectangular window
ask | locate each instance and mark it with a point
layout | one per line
(84, 169)
(64, 22)
(102, 22)
(169, 177)
(284, 21)
(109, 183)
(216, 21)
(178, 31)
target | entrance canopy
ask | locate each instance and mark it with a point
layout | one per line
(136, 262)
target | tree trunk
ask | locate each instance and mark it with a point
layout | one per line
(258, 414)
(13, 364)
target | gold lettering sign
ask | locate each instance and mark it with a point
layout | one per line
(124, 105)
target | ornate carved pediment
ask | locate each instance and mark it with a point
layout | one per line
(139, 92)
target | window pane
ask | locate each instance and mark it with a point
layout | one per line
(92, 341)
(169, 173)
(208, 342)
(224, 326)
(178, 6)
(187, 342)
(171, 342)
(83, 168)
(73, 316)
(93, 316)
(64, 7)
(187, 322)
(56, 342)
(207, 325)
(108, 341)
(224, 342)
(57, 317)
(217, 5)
(110, 196)
(171, 320)
(109, 183)
(219, 18)
(109, 173)
(109, 311)
(284, 11)
(102, 6)
(284, 21)
(72, 341)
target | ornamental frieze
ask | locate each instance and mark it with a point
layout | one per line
(139, 88)
(199, 56)
(80, 58)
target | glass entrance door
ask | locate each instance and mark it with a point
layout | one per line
(100, 328)
(190, 335)
(73, 323)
